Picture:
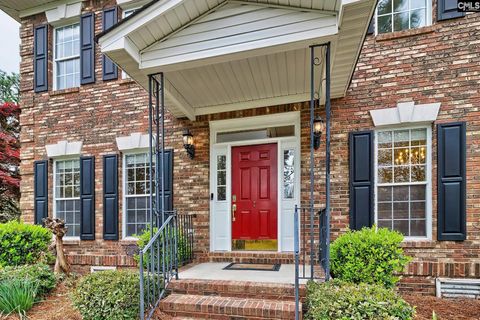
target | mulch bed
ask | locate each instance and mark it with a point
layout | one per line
(458, 309)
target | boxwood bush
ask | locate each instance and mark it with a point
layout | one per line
(368, 256)
(40, 275)
(184, 250)
(22, 243)
(342, 300)
(112, 295)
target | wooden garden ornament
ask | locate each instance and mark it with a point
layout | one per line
(58, 228)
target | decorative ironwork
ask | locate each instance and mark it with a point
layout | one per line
(313, 228)
(171, 235)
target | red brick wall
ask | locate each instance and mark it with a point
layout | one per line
(437, 64)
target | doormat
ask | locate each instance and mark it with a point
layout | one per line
(253, 266)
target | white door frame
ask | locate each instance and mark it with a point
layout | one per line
(220, 211)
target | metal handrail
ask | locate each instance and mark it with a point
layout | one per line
(159, 260)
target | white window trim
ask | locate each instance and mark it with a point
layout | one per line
(124, 195)
(428, 19)
(55, 161)
(55, 85)
(428, 193)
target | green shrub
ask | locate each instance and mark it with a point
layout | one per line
(17, 296)
(22, 243)
(368, 256)
(39, 274)
(112, 295)
(184, 250)
(342, 300)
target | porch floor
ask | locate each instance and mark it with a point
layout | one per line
(214, 271)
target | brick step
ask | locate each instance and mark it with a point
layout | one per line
(240, 289)
(226, 308)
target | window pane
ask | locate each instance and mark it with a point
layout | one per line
(385, 175)
(401, 138)
(400, 5)
(384, 6)
(222, 178)
(288, 174)
(385, 224)
(400, 21)
(401, 226)
(385, 139)
(385, 210)
(417, 155)
(221, 162)
(402, 174)
(400, 210)
(384, 24)
(385, 157)
(417, 18)
(385, 194)
(419, 137)
(401, 193)
(417, 210)
(414, 4)
(417, 193)
(418, 228)
(221, 193)
(418, 173)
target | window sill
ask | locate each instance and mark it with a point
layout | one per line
(129, 240)
(405, 33)
(418, 243)
(64, 91)
(71, 240)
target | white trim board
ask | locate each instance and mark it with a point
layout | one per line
(220, 211)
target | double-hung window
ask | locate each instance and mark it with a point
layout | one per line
(67, 194)
(137, 190)
(398, 15)
(67, 56)
(403, 181)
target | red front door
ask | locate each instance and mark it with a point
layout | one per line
(254, 192)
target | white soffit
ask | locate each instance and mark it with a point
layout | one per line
(405, 112)
(133, 141)
(225, 55)
(64, 149)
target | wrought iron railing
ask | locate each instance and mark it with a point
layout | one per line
(170, 247)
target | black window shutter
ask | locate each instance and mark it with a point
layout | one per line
(110, 197)
(447, 9)
(110, 70)
(41, 58)
(87, 48)
(361, 179)
(87, 198)
(371, 26)
(451, 198)
(40, 174)
(168, 174)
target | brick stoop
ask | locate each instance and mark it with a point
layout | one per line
(226, 308)
(239, 289)
(230, 300)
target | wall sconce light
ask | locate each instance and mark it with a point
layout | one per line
(318, 126)
(188, 143)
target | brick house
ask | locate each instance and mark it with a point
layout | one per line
(405, 124)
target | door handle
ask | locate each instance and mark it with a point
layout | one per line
(234, 208)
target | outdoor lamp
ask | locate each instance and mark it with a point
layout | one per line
(318, 126)
(188, 143)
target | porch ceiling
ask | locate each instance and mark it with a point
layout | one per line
(223, 55)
